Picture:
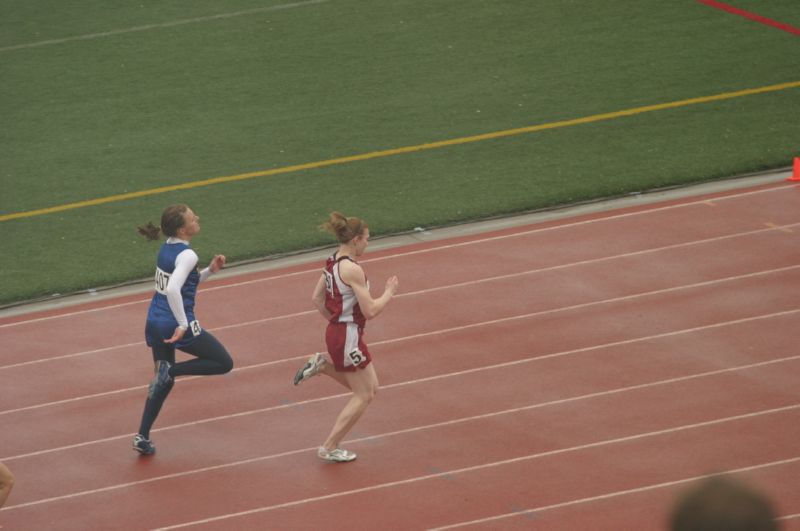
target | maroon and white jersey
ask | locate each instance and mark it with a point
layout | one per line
(340, 299)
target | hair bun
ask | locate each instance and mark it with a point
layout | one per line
(344, 228)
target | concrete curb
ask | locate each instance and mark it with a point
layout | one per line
(423, 234)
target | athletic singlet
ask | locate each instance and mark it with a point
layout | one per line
(165, 265)
(340, 299)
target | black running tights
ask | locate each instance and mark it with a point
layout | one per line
(210, 358)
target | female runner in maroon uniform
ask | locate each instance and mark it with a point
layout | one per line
(342, 297)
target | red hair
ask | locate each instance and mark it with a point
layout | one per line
(344, 228)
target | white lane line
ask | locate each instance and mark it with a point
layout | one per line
(317, 270)
(439, 332)
(142, 343)
(584, 305)
(73, 355)
(412, 382)
(424, 291)
(495, 464)
(447, 423)
(79, 312)
(535, 510)
(148, 27)
(589, 261)
(581, 223)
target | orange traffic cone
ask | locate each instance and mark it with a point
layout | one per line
(796, 174)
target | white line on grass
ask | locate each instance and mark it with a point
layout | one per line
(148, 27)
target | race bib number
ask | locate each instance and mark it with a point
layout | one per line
(329, 283)
(356, 357)
(162, 281)
(195, 327)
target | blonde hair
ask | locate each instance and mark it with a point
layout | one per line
(344, 228)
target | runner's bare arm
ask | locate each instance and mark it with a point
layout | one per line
(318, 298)
(354, 276)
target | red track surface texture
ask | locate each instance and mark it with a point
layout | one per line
(576, 374)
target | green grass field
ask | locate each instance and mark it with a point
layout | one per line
(120, 97)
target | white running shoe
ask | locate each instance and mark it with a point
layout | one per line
(310, 368)
(338, 455)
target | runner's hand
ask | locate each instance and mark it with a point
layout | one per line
(179, 331)
(391, 284)
(217, 263)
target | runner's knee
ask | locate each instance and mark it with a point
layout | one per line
(367, 395)
(227, 364)
(6, 477)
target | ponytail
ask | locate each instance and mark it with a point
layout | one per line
(344, 228)
(149, 231)
(171, 220)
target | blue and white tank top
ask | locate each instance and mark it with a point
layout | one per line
(165, 265)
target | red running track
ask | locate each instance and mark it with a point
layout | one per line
(575, 374)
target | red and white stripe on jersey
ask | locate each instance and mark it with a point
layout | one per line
(340, 299)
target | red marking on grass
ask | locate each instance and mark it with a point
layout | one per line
(752, 16)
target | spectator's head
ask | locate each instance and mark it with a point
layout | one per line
(721, 504)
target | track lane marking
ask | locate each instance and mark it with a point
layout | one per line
(415, 381)
(440, 331)
(444, 247)
(494, 464)
(459, 421)
(617, 494)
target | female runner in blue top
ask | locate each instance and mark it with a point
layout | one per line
(171, 322)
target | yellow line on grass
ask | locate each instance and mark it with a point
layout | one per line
(400, 151)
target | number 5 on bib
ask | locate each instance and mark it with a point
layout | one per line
(356, 357)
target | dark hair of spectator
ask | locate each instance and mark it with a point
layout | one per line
(721, 504)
